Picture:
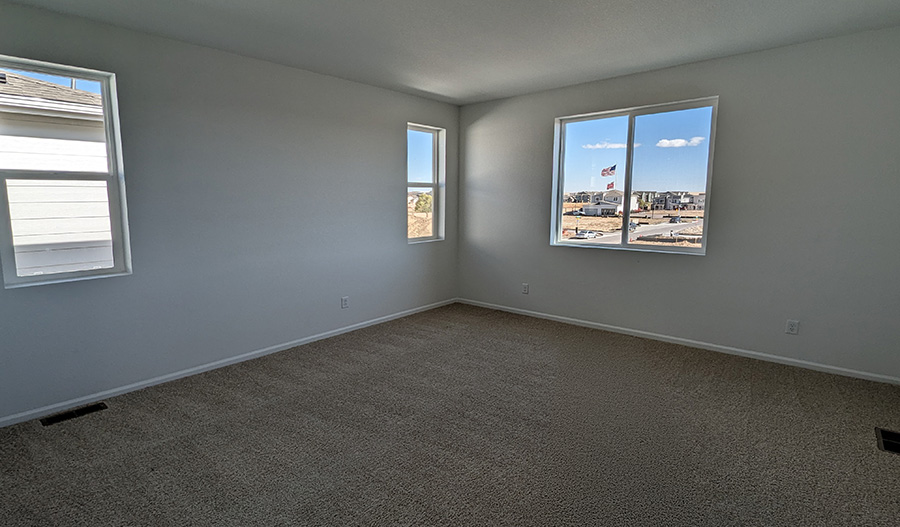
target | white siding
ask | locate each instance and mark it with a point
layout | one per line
(40, 153)
(59, 225)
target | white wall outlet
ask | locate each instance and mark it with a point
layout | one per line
(792, 327)
(345, 302)
(524, 288)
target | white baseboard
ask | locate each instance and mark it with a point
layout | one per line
(693, 343)
(87, 399)
(80, 401)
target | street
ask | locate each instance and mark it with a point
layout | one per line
(663, 228)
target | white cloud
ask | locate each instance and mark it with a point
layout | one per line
(678, 143)
(604, 145)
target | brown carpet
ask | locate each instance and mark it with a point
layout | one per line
(467, 416)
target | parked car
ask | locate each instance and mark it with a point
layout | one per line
(675, 219)
(584, 235)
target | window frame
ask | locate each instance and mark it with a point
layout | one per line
(114, 178)
(559, 139)
(438, 179)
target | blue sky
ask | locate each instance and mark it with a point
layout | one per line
(418, 156)
(81, 84)
(671, 151)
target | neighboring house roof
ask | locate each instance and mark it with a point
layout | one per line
(604, 204)
(20, 85)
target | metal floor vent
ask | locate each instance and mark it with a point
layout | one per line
(72, 414)
(888, 441)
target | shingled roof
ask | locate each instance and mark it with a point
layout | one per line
(20, 85)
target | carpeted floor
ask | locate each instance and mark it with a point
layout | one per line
(467, 416)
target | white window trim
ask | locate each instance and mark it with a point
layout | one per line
(438, 180)
(558, 174)
(115, 179)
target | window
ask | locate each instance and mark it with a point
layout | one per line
(636, 178)
(425, 162)
(62, 194)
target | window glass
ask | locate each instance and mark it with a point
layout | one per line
(672, 172)
(59, 226)
(420, 156)
(421, 212)
(594, 175)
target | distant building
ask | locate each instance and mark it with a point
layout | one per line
(657, 200)
(671, 200)
(697, 201)
(587, 196)
(617, 197)
(603, 208)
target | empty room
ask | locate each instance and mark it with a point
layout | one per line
(649, 274)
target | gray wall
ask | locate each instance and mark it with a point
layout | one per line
(258, 195)
(803, 213)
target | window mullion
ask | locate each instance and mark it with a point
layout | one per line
(626, 198)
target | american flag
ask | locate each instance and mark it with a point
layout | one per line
(610, 186)
(609, 171)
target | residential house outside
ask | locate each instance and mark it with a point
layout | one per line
(603, 208)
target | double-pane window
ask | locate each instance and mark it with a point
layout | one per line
(425, 161)
(636, 178)
(62, 196)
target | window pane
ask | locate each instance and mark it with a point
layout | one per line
(58, 155)
(59, 226)
(593, 183)
(50, 125)
(420, 213)
(419, 156)
(669, 177)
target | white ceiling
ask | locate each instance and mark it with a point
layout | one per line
(464, 51)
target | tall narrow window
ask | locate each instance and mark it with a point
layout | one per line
(425, 161)
(62, 196)
(635, 178)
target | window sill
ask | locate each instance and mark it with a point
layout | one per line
(632, 248)
(66, 279)
(415, 241)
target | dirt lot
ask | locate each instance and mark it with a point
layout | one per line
(694, 229)
(592, 223)
(614, 224)
(418, 224)
(604, 224)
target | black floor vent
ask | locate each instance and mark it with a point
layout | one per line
(72, 414)
(888, 441)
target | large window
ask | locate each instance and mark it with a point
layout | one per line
(636, 178)
(425, 161)
(62, 195)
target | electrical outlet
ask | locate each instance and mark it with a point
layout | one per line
(524, 288)
(792, 327)
(345, 302)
